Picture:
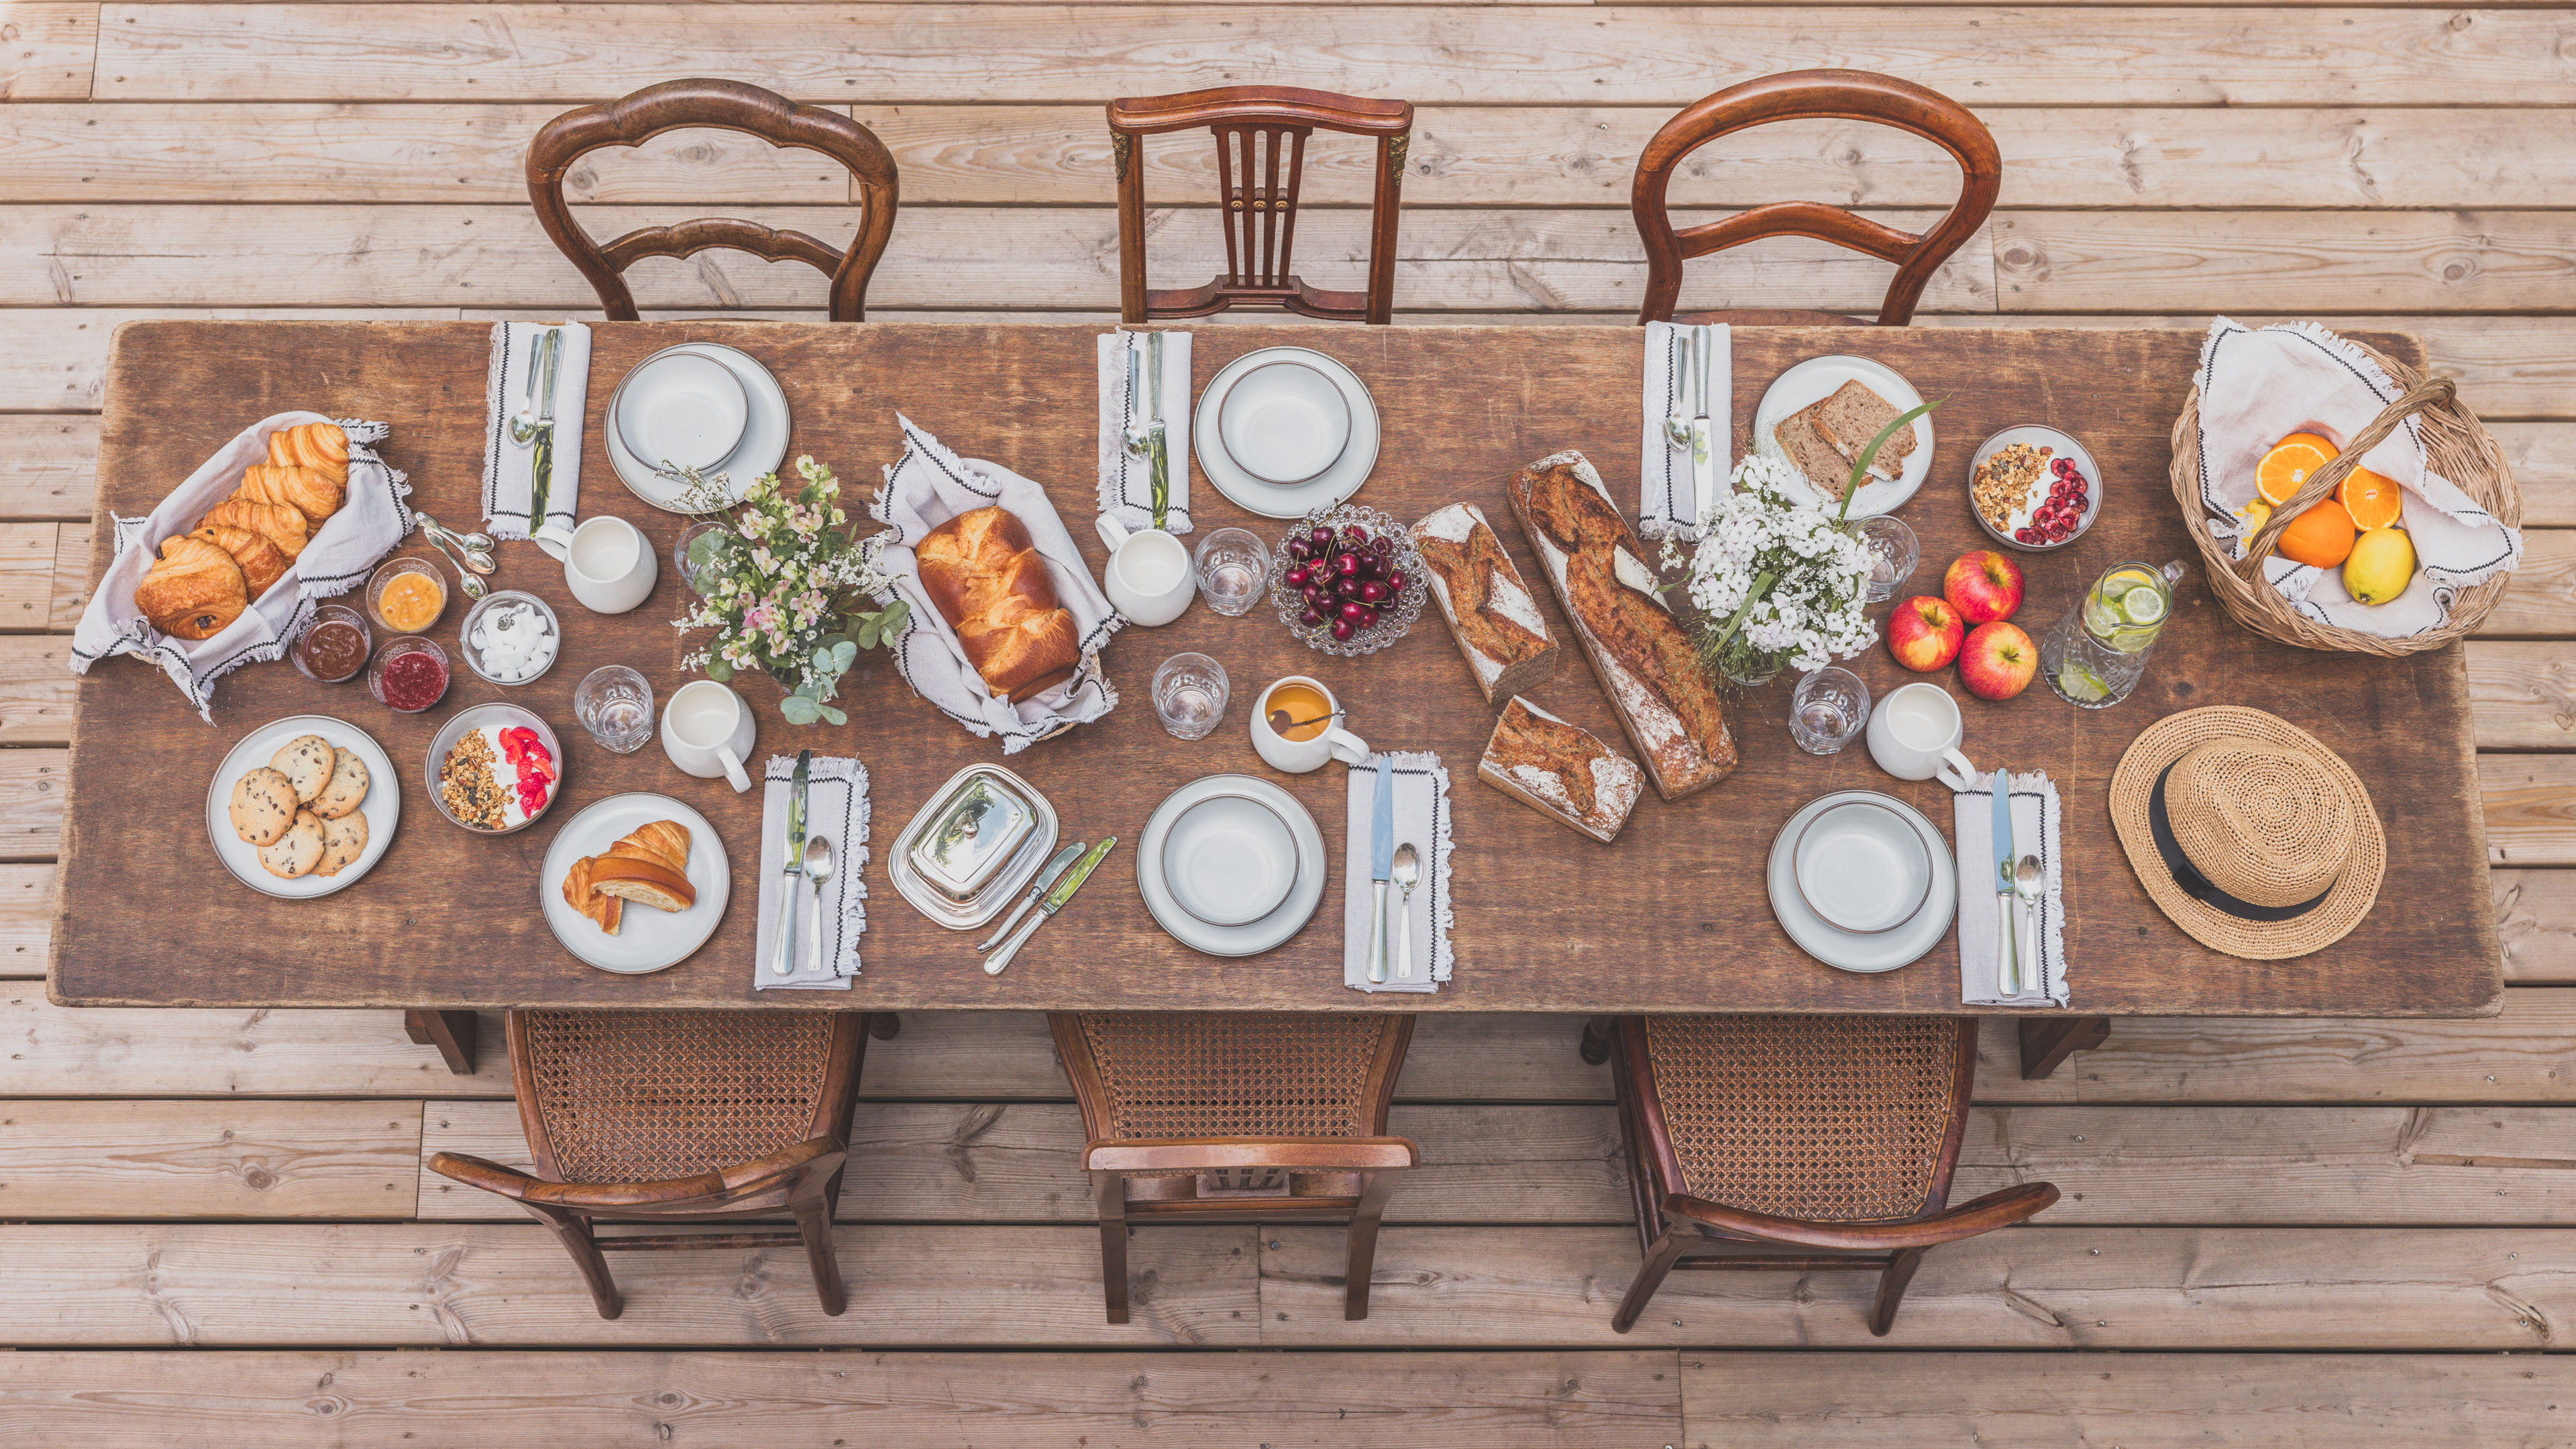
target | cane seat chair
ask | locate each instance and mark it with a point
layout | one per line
(680, 1117)
(1261, 136)
(1835, 1135)
(1250, 1116)
(730, 106)
(1846, 95)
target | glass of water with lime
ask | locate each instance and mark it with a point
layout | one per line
(2097, 653)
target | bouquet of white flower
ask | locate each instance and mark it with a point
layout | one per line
(774, 582)
(1780, 584)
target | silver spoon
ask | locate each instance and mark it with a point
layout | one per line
(1408, 872)
(818, 869)
(479, 542)
(1280, 723)
(523, 424)
(474, 587)
(2030, 885)
(1676, 425)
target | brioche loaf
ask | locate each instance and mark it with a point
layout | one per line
(989, 582)
(193, 590)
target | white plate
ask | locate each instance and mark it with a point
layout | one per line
(1270, 500)
(1819, 378)
(646, 939)
(382, 807)
(1229, 860)
(1284, 423)
(1304, 894)
(1844, 950)
(682, 406)
(764, 434)
(1860, 866)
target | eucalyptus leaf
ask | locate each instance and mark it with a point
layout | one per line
(844, 654)
(868, 635)
(894, 616)
(835, 716)
(718, 670)
(800, 710)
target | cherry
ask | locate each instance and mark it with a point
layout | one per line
(1342, 629)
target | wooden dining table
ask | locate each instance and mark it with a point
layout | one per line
(1672, 917)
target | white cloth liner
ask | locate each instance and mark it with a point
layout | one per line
(370, 524)
(2035, 811)
(1127, 482)
(1422, 817)
(836, 807)
(1667, 500)
(509, 469)
(2258, 387)
(925, 488)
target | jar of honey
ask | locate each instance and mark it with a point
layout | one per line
(407, 595)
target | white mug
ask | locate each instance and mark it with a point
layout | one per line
(1149, 576)
(1298, 756)
(610, 566)
(707, 730)
(1914, 735)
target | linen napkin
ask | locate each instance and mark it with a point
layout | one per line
(1422, 817)
(1127, 482)
(2258, 387)
(1667, 500)
(925, 488)
(510, 470)
(827, 939)
(340, 556)
(2035, 816)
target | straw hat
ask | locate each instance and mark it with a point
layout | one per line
(2253, 836)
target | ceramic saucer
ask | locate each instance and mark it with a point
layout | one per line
(1305, 891)
(1229, 860)
(1284, 422)
(684, 408)
(764, 434)
(1861, 867)
(1338, 481)
(1899, 945)
(1819, 378)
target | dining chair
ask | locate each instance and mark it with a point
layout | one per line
(1845, 95)
(1237, 1117)
(680, 1117)
(725, 105)
(1261, 136)
(1836, 1135)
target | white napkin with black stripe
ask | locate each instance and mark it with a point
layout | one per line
(1126, 481)
(510, 467)
(827, 936)
(1421, 817)
(1667, 499)
(2036, 816)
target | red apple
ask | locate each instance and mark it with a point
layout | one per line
(1924, 633)
(1998, 661)
(1983, 586)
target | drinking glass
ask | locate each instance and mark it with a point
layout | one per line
(2097, 652)
(615, 704)
(1231, 564)
(1189, 695)
(1827, 709)
(1893, 554)
(689, 537)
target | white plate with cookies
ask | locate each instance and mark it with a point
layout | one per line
(647, 840)
(303, 807)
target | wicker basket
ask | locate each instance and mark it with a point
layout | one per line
(2458, 446)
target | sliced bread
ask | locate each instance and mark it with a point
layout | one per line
(1853, 416)
(1811, 454)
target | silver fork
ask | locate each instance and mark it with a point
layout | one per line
(1134, 433)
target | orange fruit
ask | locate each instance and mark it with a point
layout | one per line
(2321, 537)
(2288, 465)
(2370, 498)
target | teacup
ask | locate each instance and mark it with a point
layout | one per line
(707, 731)
(610, 566)
(1914, 735)
(1311, 741)
(1149, 577)
(1284, 422)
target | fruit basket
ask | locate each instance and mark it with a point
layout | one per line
(1347, 581)
(2456, 444)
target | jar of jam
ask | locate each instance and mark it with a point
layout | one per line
(334, 648)
(409, 675)
(407, 595)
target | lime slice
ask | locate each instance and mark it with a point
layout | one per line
(2144, 604)
(2132, 641)
(2080, 684)
(2123, 580)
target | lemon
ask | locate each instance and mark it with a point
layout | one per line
(2381, 566)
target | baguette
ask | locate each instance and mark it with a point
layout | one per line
(1497, 625)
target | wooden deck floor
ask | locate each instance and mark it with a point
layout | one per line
(215, 1228)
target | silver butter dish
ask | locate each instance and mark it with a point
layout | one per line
(970, 849)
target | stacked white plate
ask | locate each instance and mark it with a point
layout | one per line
(1862, 882)
(1231, 865)
(1283, 431)
(699, 405)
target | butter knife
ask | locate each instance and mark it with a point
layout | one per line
(1156, 458)
(554, 541)
(2008, 954)
(1054, 867)
(1381, 863)
(1702, 445)
(792, 883)
(1053, 903)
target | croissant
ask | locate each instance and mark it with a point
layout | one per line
(321, 447)
(262, 564)
(665, 842)
(279, 524)
(599, 906)
(649, 867)
(193, 590)
(990, 583)
(303, 489)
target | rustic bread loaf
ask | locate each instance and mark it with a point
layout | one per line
(193, 590)
(1497, 624)
(989, 582)
(1561, 770)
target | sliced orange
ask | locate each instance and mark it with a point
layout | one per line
(2371, 499)
(2321, 537)
(2288, 465)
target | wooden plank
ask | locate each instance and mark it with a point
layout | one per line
(502, 1285)
(209, 1159)
(2541, 600)
(2536, 920)
(54, 358)
(58, 1052)
(26, 920)
(2544, 469)
(1600, 1400)
(2125, 261)
(47, 466)
(35, 689)
(2164, 1401)
(909, 53)
(26, 576)
(2522, 696)
(2530, 808)
(31, 801)
(70, 591)
(47, 48)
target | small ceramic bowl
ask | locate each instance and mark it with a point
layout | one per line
(503, 716)
(1284, 423)
(1229, 860)
(1862, 868)
(2060, 445)
(484, 607)
(681, 408)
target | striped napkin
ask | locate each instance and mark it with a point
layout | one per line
(1421, 817)
(827, 938)
(509, 467)
(1667, 500)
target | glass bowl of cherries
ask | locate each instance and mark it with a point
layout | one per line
(1347, 581)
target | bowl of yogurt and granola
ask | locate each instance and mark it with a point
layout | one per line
(494, 768)
(2034, 488)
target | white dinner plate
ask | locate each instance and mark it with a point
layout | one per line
(1229, 860)
(1886, 950)
(382, 807)
(1819, 378)
(647, 939)
(1304, 894)
(684, 407)
(1271, 500)
(764, 432)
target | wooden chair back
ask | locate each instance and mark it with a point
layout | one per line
(1848, 95)
(726, 105)
(1261, 136)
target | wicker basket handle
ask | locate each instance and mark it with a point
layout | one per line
(2432, 392)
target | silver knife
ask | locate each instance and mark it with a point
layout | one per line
(555, 542)
(1054, 867)
(1703, 446)
(1155, 456)
(1053, 903)
(2008, 957)
(2032, 971)
(1381, 863)
(794, 883)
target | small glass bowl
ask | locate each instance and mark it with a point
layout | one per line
(334, 614)
(474, 616)
(1393, 618)
(475, 718)
(394, 569)
(396, 649)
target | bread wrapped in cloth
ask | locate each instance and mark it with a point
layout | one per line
(262, 564)
(193, 590)
(986, 578)
(307, 492)
(322, 447)
(650, 867)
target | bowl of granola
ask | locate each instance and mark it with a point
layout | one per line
(2034, 488)
(494, 768)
